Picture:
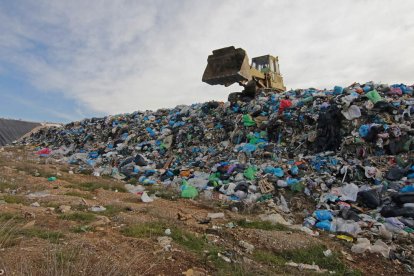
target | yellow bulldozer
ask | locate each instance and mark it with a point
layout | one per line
(230, 65)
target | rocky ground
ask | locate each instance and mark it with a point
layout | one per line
(48, 228)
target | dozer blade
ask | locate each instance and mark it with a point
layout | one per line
(227, 66)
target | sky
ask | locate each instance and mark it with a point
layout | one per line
(62, 61)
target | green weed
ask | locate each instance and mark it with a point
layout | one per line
(77, 194)
(264, 225)
(78, 216)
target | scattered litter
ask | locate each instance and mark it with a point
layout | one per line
(247, 246)
(97, 208)
(301, 266)
(145, 198)
(215, 215)
(348, 149)
(165, 243)
(35, 204)
(327, 253)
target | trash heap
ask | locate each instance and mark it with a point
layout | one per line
(350, 150)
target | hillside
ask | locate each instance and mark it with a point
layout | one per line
(285, 177)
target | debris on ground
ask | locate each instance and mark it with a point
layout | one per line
(336, 161)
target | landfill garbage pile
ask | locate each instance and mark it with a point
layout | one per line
(349, 149)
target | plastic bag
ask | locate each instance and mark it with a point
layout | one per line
(250, 173)
(248, 121)
(373, 96)
(188, 191)
(322, 215)
(324, 225)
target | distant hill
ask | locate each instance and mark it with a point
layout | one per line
(11, 130)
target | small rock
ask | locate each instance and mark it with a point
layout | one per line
(64, 208)
(100, 229)
(247, 246)
(167, 232)
(35, 204)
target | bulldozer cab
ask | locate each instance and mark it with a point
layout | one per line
(266, 64)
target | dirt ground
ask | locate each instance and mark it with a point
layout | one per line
(47, 228)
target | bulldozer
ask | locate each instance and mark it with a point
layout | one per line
(229, 65)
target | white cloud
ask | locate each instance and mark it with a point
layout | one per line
(121, 56)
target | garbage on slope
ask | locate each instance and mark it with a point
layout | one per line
(348, 149)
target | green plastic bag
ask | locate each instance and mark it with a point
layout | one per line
(297, 187)
(248, 121)
(214, 176)
(374, 96)
(188, 191)
(250, 173)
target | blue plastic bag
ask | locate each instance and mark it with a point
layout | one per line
(338, 90)
(275, 171)
(322, 215)
(294, 170)
(408, 189)
(324, 225)
(249, 148)
(364, 130)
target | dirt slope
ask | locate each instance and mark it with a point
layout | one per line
(38, 237)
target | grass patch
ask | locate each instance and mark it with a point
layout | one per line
(314, 254)
(92, 186)
(132, 181)
(77, 194)
(112, 210)
(52, 204)
(80, 207)
(189, 241)
(7, 232)
(36, 168)
(4, 186)
(264, 225)
(10, 216)
(309, 255)
(82, 229)
(182, 237)
(52, 236)
(162, 192)
(78, 216)
(268, 258)
(144, 230)
(15, 199)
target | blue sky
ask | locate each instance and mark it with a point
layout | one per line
(66, 60)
